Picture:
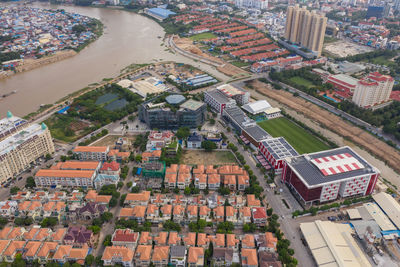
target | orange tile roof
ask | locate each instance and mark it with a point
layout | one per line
(230, 169)
(166, 209)
(202, 239)
(243, 179)
(183, 168)
(139, 211)
(219, 211)
(210, 169)
(214, 179)
(35, 205)
(246, 211)
(62, 251)
(231, 240)
(192, 210)
(160, 253)
(4, 233)
(271, 240)
(103, 199)
(78, 253)
(91, 195)
(230, 211)
(49, 206)
(199, 170)
(252, 201)
(24, 205)
(151, 209)
(42, 234)
(124, 253)
(143, 196)
(230, 179)
(64, 173)
(178, 199)
(143, 252)
(154, 153)
(172, 169)
(249, 256)
(194, 254)
(60, 205)
(170, 177)
(59, 234)
(112, 152)
(248, 241)
(17, 231)
(31, 233)
(161, 239)
(178, 210)
(13, 247)
(190, 239)
(202, 178)
(123, 154)
(3, 245)
(173, 238)
(183, 176)
(90, 149)
(204, 210)
(47, 248)
(126, 212)
(144, 238)
(218, 240)
(79, 165)
(31, 248)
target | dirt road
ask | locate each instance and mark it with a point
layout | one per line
(337, 125)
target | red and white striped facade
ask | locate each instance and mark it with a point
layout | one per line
(340, 175)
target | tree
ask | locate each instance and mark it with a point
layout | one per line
(129, 184)
(183, 133)
(107, 241)
(30, 182)
(135, 189)
(48, 157)
(187, 191)
(95, 229)
(14, 190)
(249, 228)
(206, 191)
(131, 117)
(106, 216)
(18, 261)
(49, 221)
(269, 211)
(171, 226)
(208, 145)
(224, 191)
(138, 158)
(89, 260)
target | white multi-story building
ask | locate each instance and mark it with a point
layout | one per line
(70, 178)
(97, 153)
(258, 4)
(373, 90)
(21, 144)
(218, 101)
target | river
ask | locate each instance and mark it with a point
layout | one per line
(128, 38)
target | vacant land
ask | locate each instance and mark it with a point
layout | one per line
(194, 157)
(301, 81)
(109, 140)
(67, 129)
(202, 36)
(300, 139)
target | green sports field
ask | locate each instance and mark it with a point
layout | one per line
(202, 36)
(300, 139)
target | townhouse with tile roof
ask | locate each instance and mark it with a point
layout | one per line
(115, 254)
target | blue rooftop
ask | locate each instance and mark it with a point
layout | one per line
(161, 12)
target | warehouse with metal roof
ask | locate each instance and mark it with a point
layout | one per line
(257, 107)
(390, 206)
(332, 244)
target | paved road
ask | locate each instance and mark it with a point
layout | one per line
(288, 225)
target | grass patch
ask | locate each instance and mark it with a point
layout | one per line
(67, 129)
(300, 139)
(383, 60)
(301, 81)
(329, 39)
(202, 36)
(194, 157)
(240, 64)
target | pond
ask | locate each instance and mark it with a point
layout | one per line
(106, 98)
(117, 104)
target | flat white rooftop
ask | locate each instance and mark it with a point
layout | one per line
(379, 217)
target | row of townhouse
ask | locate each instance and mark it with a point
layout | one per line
(99, 153)
(39, 205)
(77, 236)
(79, 174)
(140, 249)
(45, 245)
(159, 210)
(231, 176)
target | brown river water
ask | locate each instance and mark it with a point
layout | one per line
(128, 38)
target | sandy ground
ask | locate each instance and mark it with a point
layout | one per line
(194, 157)
(335, 129)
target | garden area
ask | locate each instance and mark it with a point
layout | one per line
(195, 157)
(92, 111)
(202, 36)
(299, 138)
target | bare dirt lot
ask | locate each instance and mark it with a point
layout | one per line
(195, 157)
(110, 140)
(387, 153)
